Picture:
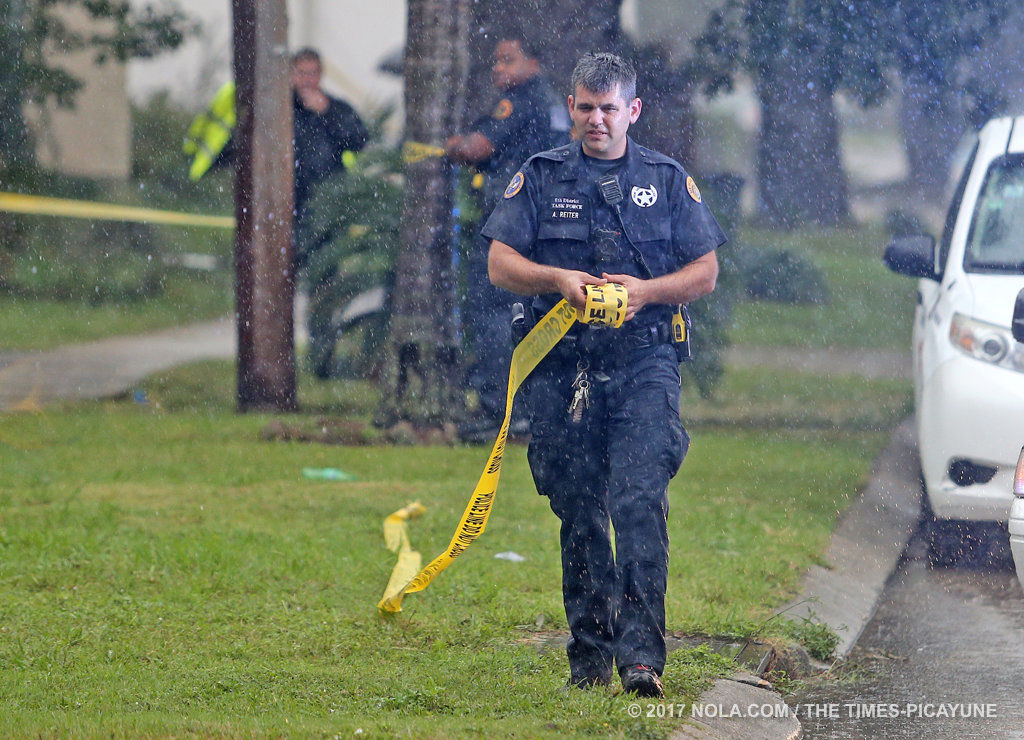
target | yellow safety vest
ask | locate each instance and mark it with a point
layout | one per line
(210, 131)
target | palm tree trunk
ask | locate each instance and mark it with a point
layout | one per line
(422, 366)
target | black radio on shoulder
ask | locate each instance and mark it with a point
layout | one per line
(610, 189)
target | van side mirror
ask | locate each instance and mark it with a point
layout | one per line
(1017, 325)
(913, 256)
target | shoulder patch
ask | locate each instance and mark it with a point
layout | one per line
(691, 188)
(515, 185)
(503, 109)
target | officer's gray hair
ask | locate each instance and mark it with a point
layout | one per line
(601, 71)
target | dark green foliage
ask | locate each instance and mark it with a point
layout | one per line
(861, 42)
(356, 216)
(753, 35)
(95, 276)
(26, 28)
(933, 43)
(800, 54)
(818, 638)
(26, 75)
(70, 259)
(785, 277)
(712, 315)
(900, 223)
(103, 262)
(128, 33)
(161, 167)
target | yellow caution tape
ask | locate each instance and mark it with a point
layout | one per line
(534, 347)
(417, 151)
(606, 306)
(396, 538)
(44, 206)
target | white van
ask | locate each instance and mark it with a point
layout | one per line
(968, 370)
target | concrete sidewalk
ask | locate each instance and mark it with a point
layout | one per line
(108, 367)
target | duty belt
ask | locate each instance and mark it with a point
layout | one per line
(614, 348)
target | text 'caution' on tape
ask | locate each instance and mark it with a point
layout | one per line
(612, 300)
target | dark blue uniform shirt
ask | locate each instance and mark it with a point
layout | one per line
(552, 213)
(526, 119)
(319, 141)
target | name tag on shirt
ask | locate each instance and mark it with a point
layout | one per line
(566, 209)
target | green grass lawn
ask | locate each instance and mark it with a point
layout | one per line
(164, 572)
(870, 307)
(35, 323)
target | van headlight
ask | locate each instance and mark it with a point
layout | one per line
(1018, 476)
(986, 342)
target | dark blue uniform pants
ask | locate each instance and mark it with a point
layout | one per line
(613, 467)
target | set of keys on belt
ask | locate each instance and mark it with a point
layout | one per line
(581, 399)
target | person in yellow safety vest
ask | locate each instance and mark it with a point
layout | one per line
(210, 132)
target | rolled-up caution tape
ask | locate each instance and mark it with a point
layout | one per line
(613, 299)
(45, 206)
(606, 305)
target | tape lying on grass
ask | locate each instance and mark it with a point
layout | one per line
(606, 305)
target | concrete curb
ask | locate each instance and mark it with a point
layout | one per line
(866, 545)
(737, 709)
(865, 549)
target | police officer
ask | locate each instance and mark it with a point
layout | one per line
(527, 117)
(605, 209)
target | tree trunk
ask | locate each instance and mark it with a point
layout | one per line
(667, 123)
(422, 371)
(264, 283)
(799, 169)
(932, 122)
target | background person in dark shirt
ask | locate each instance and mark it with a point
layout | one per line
(527, 117)
(324, 129)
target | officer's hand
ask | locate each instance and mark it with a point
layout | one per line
(570, 285)
(635, 292)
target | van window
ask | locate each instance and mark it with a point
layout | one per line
(996, 239)
(954, 207)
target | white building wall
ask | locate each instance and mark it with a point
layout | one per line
(353, 36)
(92, 139)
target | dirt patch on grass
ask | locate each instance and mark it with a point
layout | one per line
(343, 432)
